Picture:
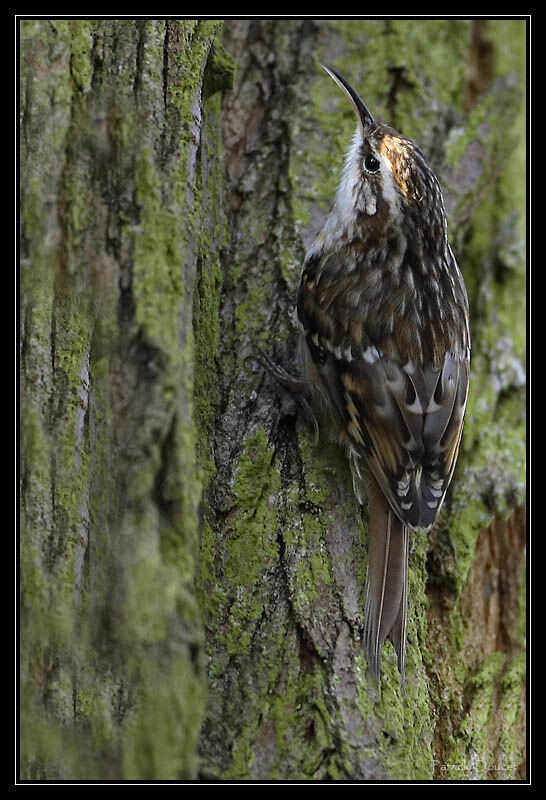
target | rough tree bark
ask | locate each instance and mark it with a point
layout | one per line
(192, 565)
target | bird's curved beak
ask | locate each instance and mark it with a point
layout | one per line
(362, 113)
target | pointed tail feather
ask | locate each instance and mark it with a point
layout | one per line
(385, 612)
(398, 633)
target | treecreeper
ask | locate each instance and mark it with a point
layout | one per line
(384, 353)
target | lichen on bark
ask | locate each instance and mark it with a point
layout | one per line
(192, 563)
(284, 146)
(114, 204)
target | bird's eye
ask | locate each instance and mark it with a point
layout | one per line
(371, 164)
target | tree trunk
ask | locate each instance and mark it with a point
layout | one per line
(192, 564)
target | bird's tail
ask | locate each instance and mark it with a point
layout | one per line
(386, 605)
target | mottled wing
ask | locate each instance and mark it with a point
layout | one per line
(407, 421)
(403, 418)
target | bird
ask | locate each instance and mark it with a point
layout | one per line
(385, 353)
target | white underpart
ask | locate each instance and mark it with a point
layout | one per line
(342, 215)
(350, 181)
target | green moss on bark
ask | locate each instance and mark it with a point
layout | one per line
(131, 288)
(112, 681)
(397, 73)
